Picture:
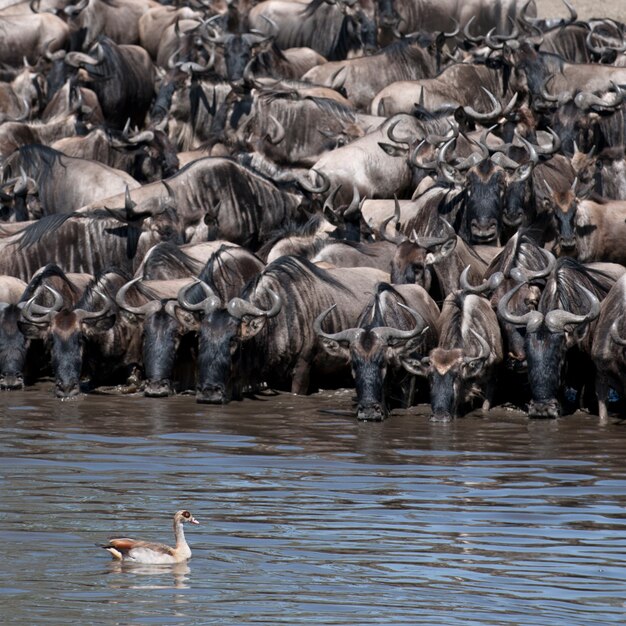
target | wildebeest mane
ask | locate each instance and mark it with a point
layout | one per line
(169, 256)
(292, 228)
(221, 275)
(298, 269)
(373, 314)
(38, 162)
(48, 271)
(522, 250)
(107, 281)
(35, 232)
(563, 288)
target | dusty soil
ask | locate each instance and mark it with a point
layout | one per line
(615, 9)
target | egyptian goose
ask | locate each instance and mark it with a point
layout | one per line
(149, 553)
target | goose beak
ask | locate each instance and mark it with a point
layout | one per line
(193, 520)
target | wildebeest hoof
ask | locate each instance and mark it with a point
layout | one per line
(158, 389)
(11, 383)
(370, 414)
(549, 408)
(441, 417)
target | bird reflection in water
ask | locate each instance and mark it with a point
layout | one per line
(179, 572)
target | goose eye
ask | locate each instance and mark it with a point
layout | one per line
(186, 514)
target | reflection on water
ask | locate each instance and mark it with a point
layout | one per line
(308, 517)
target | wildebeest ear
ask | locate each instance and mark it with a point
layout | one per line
(472, 368)
(186, 319)
(251, 327)
(419, 367)
(406, 347)
(521, 173)
(394, 151)
(98, 325)
(452, 174)
(335, 348)
(33, 331)
(446, 249)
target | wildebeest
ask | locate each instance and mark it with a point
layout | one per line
(13, 344)
(216, 198)
(464, 363)
(63, 184)
(267, 335)
(397, 323)
(362, 78)
(336, 30)
(86, 243)
(558, 335)
(30, 36)
(121, 76)
(170, 326)
(147, 156)
(589, 230)
(608, 347)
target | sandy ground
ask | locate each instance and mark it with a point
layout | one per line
(615, 9)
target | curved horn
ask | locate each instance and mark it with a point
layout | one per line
(210, 303)
(90, 315)
(45, 314)
(74, 9)
(355, 203)
(586, 100)
(484, 348)
(239, 308)
(466, 32)
(495, 112)
(530, 276)
(533, 157)
(145, 309)
(548, 97)
(275, 138)
(614, 334)
(323, 188)
(348, 335)
(455, 32)
(382, 231)
(494, 281)
(393, 138)
(557, 320)
(388, 333)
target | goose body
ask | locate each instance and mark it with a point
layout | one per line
(150, 553)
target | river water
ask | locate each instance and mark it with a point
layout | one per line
(307, 516)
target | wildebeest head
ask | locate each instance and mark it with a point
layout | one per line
(153, 155)
(372, 350)
(66, 330)
(545, 344)
(164, 323)
(529, 266)
(240, 52)
(564, 206)
(484, 179)
(452, 374)
(13, 347)
(519, 202)
(222, 331)
(586, 120)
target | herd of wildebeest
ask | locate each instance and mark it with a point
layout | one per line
(424, 199)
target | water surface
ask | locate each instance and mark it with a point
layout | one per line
(308, 516)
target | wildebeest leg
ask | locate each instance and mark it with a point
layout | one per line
(490, 389)
(134, 379)
(602, 392)
(301, 375)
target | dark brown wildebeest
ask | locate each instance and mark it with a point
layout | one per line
(399, 322)
(464, 364)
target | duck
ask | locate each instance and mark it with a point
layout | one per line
(151, 553)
